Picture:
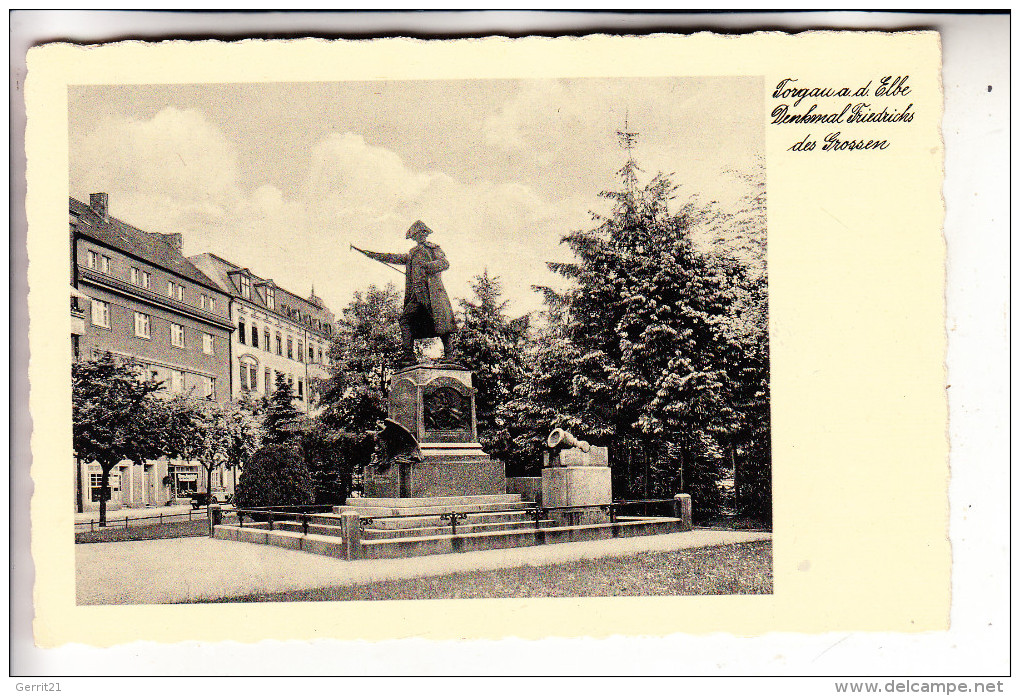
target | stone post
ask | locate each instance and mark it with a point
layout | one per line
(215, 518)
(350, 530)
(682, 511)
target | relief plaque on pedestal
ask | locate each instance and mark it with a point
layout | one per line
(436, 405)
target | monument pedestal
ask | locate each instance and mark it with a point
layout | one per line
(572, 477)
(436, 404)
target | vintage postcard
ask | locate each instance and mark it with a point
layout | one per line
(611, 335)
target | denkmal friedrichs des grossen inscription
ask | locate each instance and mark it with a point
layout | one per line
(867, 111)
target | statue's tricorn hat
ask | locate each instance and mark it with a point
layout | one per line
(418, 227)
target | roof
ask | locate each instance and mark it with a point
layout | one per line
(151, 247)
(227, 268)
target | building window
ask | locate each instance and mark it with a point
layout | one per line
(180, 293)
(244, 377)
(301, 389)
(300, 351)
(265, 339)
(142, 325)
(101, 313)
(170, 289)
(267, 383)
(105, 267)
(177, 335)
(95, 485)
(207, 344)
(279, 345)
(93, 260)
(290, 348)
(241, 331)
(176, 381)
(212, 304)
(270, 298)
(245, 287)
(146, 279)
(210, 388)
(134, 276)
(202, 300)
(184, 480)
(311, 353)
(254, 377)
(254, 336)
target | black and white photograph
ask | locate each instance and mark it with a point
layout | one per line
(629, 349)
(565, 395)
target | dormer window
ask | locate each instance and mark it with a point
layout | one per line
(270, 298)
(245, 287)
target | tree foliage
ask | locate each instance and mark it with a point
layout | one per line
(281, 418)
(492, 345)
(366, 344)
(654, 350)
(116, 417)
(353, 398)
(275, 476)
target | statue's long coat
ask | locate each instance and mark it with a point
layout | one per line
(426, 303)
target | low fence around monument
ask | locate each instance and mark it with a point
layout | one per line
(305, 515)
(344, 535)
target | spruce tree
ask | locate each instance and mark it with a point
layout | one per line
(644, 326)
(281, 417)
(492, 346)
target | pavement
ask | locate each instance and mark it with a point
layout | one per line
(166, 571)
(135, 512)
(83, 518)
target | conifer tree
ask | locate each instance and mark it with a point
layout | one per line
(492, 346)
(281, 416)
(642, 353)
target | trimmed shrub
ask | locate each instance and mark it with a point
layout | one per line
(276, 475)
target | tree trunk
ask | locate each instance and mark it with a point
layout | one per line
(79, 502)
(737, 503)
(208, 484)
(104, 492)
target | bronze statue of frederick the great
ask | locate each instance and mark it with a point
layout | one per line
(427, 309)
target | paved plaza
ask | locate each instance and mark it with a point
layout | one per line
(179, 570)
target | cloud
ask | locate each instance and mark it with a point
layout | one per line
(177, 172)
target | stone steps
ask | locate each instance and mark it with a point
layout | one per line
(482, 541)
(368, 533)
(427, 502)
(425, 507)
(414, 521)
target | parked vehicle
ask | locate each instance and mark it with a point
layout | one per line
(217, 495)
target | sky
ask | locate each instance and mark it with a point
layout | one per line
(283, 177)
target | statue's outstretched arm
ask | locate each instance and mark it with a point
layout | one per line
(388, 258)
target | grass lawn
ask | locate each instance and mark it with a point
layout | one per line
(716, 570)
(170, 530)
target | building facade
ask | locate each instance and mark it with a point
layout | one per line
(275, 332)
(139, 298)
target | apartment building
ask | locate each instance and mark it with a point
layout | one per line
(276, 332)
(135, 295)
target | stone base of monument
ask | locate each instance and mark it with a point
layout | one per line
(573, 486)
(447, 469)
(435, 404)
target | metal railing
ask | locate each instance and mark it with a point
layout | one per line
(271, 515)
(141, 521)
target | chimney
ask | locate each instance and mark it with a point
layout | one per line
(100, 203)
(175, 240)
